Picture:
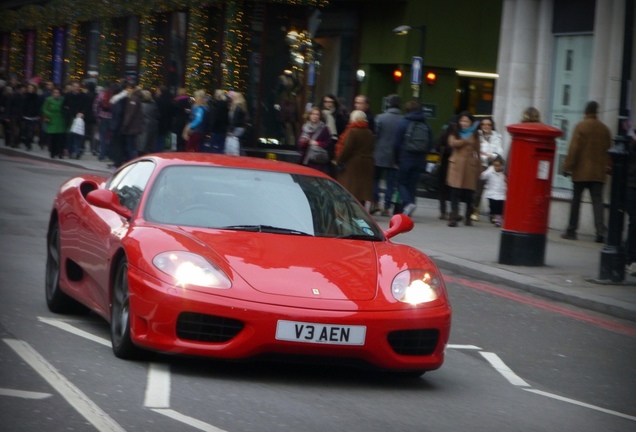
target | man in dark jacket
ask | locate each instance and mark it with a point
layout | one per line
(118, 109)
(411, 163)
(133, 124)
(90, 119)
(13, 104)
(30, 115)
(75, 105)
(386, 125)
(219, 121)
(166, 110)
(361, 102)
(630, 202)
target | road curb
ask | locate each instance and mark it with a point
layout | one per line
(494, 275)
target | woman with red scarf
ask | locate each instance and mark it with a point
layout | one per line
(354, 153)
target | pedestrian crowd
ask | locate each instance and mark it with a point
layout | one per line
(367, 154)
(381, 159)
(120, 121)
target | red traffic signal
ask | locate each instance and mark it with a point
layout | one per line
(397, 75)
(431, 77)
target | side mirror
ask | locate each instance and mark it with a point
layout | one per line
(107, 199)
(400, 223)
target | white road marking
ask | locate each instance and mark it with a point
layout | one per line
(69, 328)
(23, 394)
(188, 420)
(504, 370)
(74, 396)
(158, 386)
(157, 394)
(583, 404)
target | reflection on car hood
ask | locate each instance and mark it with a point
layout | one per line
(299, 266)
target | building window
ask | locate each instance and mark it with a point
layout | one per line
(566, 94)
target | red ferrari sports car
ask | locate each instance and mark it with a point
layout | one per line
(236, 258)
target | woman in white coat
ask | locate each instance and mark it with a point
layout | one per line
(490, 146)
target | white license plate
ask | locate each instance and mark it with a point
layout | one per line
(320, 333)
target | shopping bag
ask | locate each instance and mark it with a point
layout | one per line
(78, 126)
(232, 145)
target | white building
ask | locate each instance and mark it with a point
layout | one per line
(557, 55)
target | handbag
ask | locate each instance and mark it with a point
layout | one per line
(232, 146)
(316, 154)
(78, 126)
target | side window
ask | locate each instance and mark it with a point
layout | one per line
(130, 183)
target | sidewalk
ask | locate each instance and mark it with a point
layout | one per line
(472, 252)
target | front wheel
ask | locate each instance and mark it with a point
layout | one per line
(123, 346)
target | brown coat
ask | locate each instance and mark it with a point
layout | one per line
(464, 165)
(587, 158)
(357, 158)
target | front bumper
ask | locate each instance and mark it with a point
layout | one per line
(181, 321)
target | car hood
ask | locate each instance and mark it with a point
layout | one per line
(299, 266)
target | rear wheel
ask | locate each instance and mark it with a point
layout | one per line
(123, 346)
(56, 300)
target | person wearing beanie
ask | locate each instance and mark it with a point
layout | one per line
(587, 163)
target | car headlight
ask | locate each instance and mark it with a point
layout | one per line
(191, 269)
(416, 286)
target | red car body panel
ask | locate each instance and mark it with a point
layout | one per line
(274, 277)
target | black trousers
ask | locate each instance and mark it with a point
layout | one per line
(596, 193)
(463, 195)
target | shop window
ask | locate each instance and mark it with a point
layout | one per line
(475, 95)
(572, 64)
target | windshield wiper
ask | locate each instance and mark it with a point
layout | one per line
(265, 228)
(360, 237)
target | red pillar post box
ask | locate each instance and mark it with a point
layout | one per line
(527, 209)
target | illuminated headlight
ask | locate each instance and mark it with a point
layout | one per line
(416, 287)
(191, 269)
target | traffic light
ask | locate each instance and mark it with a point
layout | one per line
(397, 75)
(431, 77)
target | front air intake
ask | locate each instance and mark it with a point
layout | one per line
(414, 342)
(207, 328)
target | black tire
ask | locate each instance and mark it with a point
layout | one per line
(56, 300)
(123, 346)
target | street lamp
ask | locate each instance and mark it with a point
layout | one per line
(404, 30)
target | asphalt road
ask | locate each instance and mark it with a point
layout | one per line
(515, 362)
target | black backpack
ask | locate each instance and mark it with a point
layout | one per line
(417, 137)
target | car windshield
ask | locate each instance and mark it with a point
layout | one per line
(259, 201)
